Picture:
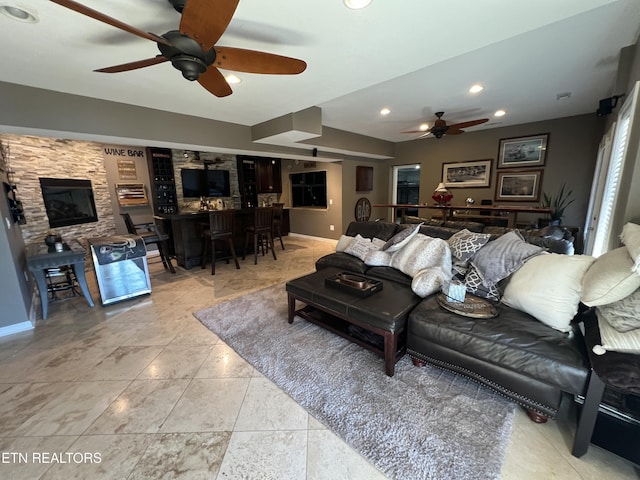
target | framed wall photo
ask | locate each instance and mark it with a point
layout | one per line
(518, 186)
(523, 151)
(476, 173)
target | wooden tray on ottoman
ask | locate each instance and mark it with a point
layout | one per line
(473, 307)
(357, 284)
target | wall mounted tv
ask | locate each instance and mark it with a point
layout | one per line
(68, 201)
(205, 183)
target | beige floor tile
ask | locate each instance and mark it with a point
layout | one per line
(124, 363)
(224, 362)
(141, 408)
(208, 405)
(176, 361)
(267, 407)
(30, 457)
(261, 455)
(330, 459)
(183, 456)
(73, 410)
(105, 457)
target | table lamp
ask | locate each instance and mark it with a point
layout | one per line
(442, 196)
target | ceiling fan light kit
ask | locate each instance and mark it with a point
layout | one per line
(192, 49)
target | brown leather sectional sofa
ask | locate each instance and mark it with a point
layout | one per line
(513, 353)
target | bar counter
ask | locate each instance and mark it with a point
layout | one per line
(185, 229)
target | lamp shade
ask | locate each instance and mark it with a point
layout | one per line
(441, 187)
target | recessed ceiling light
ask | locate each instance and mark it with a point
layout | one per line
(18, 13)
(232, 79)
(476, 88)
(424, 127)
(357, 4)
(500, 113)
(385, 111)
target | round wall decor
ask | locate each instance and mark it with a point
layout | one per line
(363, 209)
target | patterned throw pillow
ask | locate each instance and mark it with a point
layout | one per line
(473, 282)
(401, 238)
(623, 314)
(465, 243)
(361, 246)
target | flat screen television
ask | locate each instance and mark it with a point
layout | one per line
(68, 201)
(205, 183)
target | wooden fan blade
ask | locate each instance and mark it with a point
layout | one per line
(101, 17)
(125, 67)
(416, 131)
(468, 124)
(251, 61)
(453, 131)
(214, 82)
(205, 21)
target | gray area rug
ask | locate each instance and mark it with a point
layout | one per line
(423, 423)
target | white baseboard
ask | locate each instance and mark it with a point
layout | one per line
(311, 237)
(15, 328)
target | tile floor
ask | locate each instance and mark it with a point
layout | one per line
(140, 389)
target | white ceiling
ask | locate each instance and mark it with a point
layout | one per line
(415, 57)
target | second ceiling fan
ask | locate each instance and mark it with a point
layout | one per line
(192, 49)
(441, 128)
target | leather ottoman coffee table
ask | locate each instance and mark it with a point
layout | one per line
(377, 322)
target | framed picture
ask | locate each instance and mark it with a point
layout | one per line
(518, 186)
(476, 173)
(523, 151)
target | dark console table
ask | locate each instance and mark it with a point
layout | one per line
(41, 257)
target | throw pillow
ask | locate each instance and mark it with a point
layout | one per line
(500, 258)
(631, 238)
(422, 252)
(429, 281)
(343, 243)
(465, 244)
(401, 238)
(623, 314)
(548, 287)
(360, 247)
(473, 282)
(613, 340)
(609, 279)
(377, 258)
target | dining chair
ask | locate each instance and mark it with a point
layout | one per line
(221, 228)
(261, 232)
(151, 234)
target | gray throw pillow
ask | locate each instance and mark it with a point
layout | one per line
(401, 238)
(623, 314)
(500, 258)
(473, 282)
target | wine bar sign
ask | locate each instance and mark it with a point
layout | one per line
(125, 158)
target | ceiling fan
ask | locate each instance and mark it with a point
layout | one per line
(441, 128)
(192, 49)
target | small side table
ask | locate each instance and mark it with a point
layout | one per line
(40, 257)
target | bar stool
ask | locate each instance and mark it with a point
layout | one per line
(150, 234)
(221, 227)
(276, 225)
(261, 232)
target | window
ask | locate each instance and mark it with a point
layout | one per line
(309, 189)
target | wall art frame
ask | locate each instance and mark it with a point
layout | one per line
(523, 152)
(470, 174)
(518, 185)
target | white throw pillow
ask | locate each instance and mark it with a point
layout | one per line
(422, 252)
(343, 243)
(378, 258)
(631, 238)
(360, 247)
(610, 278)
(429, 280)
(613, 340)
(548, 287)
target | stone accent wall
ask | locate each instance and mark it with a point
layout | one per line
(224, 161)
(34, 157)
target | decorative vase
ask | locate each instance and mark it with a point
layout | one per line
(442, 196)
